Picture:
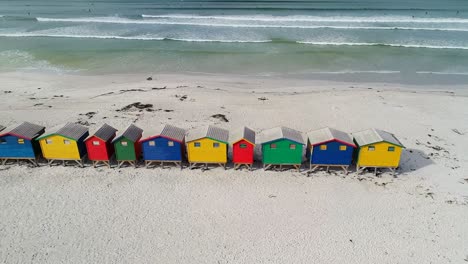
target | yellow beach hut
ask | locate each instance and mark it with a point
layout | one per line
(64, 143)
(208, 145)
(377, 149)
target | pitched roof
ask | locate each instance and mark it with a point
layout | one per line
(215, 133)
(132, 133)
(327, 134)
(69, 130)
(25, 130)
(243, 133)
(168, 131)
(105, 132)
(282, 133)
(371, 136)
(173, 132)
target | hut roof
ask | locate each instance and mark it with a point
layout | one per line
(282, 133)
(243, 133)
(24, 130)
(172, 132)
(69, 130)
(327, 134)
(168, 131)
(132, 133)
(212, 132)
(105, 132)
(371, 136)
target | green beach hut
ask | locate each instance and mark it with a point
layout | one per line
(282, 146)
(127, 146)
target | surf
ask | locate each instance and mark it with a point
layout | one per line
(347, 19)
(117, 20)
(395, 45)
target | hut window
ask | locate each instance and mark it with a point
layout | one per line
(292, 146)
(20, 141)
(272, 146)
(216, 145)
(96, 143)
(391, 149)
(243, 145)
(197, 144)
(124, 143)
(371, 148)
(323, 147)
(152, 143)
(2, 141)
(342, 147)
(48, 141)
(66, 142)
(170, 143)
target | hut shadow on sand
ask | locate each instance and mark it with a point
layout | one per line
(413, 159)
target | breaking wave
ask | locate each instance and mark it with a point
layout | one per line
(129, 38)
(152, 38)
(119, 20)
(348, 19)
(381, 44)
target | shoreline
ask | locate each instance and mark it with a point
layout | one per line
(298, 79)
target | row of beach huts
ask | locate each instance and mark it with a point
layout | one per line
(280, 146)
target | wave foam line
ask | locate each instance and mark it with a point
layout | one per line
(388, 19)
(127, 21)
(19, 35)
(355, 72)
(130, 38)
(381, 44)
(443, 73)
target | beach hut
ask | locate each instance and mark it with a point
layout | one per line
(282, 146)
(208, 145)
(377, 149)
(99, 145)
(127, 146)
(19, 142)
(328, 147)
(64, 143)
(165, 145)
(243, 145)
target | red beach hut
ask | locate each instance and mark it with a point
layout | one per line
(243, 145)
(99, 145)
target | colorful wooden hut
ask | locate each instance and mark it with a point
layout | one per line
(243, 145)
(64, 143)
(328, 147)
(207, 146)
(282, 146)
(127, 146)
(377, 149)
(19, 142)
(164, 146)
(99, 145)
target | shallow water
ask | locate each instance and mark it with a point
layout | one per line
(403, 41)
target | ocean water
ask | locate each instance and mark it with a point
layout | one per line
(413, 41)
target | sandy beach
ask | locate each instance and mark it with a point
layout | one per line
(74, 215)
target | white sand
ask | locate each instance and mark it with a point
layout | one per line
(72, 215)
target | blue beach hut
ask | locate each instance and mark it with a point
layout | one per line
(166, 145)
(18, 142)
(328, 147)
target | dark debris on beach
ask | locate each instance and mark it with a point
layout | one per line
(136, 106)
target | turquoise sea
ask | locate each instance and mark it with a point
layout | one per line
(412, 41)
